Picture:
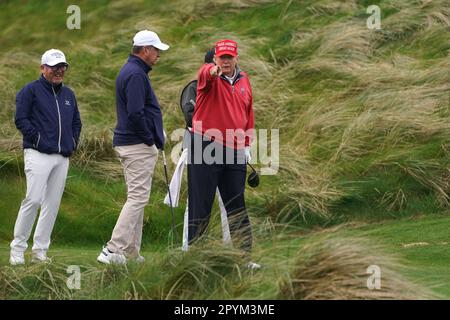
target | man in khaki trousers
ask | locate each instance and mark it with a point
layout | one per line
(137, 137)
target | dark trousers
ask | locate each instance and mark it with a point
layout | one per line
(204, 178)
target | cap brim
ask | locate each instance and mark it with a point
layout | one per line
(56, 62)
(161, 46)
(230, 53)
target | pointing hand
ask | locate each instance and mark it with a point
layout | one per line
(215, 71)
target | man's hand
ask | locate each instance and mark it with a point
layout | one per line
(215, 71)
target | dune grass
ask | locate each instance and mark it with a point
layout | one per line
(363, 119)
(324, 265)
(353, 105)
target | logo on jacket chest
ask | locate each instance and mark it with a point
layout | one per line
(67, 103)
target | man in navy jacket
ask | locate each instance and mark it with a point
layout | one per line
(47, 116)
(137, 137)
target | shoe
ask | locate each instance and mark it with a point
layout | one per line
(16, 258)
(108, 257)
(139, 259)
(40, 257)
(253, 266)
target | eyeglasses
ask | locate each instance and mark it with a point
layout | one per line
(61, 66)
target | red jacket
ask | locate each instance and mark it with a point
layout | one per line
(220, 105)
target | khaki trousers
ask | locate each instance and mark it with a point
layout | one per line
(138, 162)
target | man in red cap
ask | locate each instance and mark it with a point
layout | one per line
(223, 125)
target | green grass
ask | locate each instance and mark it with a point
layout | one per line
(363, 118)
(421, 243)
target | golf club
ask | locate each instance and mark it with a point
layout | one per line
(174, 231)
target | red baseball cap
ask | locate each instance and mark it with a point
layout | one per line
(226, 47)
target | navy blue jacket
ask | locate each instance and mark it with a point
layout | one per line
(139, 117)
(48, 117)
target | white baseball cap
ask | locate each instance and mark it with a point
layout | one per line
(53, 57)
(149, 38)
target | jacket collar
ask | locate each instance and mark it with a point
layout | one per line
(141, 63)
(49, 85)
(238, 75)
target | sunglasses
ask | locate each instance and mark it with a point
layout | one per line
(61, 66)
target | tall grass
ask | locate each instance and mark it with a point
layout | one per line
(337, 269)
(363, 118)
(349, 102)
(367, 111)
(320, 268)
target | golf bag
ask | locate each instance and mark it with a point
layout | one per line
(187, 102)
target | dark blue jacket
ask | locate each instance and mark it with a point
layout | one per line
(48, 117)
(139, 117)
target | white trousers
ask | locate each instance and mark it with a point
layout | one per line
(46, 177)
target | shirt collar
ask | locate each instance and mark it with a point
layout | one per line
(235, 77)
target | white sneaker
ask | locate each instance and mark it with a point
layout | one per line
(40, 257)
(139, 259)
(253, 265)
(108, 257)
(16, 258)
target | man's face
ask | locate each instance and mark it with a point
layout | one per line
(151, 55)
(227, 63)
(55, 74)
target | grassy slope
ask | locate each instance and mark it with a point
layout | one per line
(421, 244)
(363, 115)
(422, 241)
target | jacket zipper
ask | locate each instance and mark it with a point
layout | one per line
(39, 139)
(59, 118)
(234, 82)
(232, 86)
(36, 145)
